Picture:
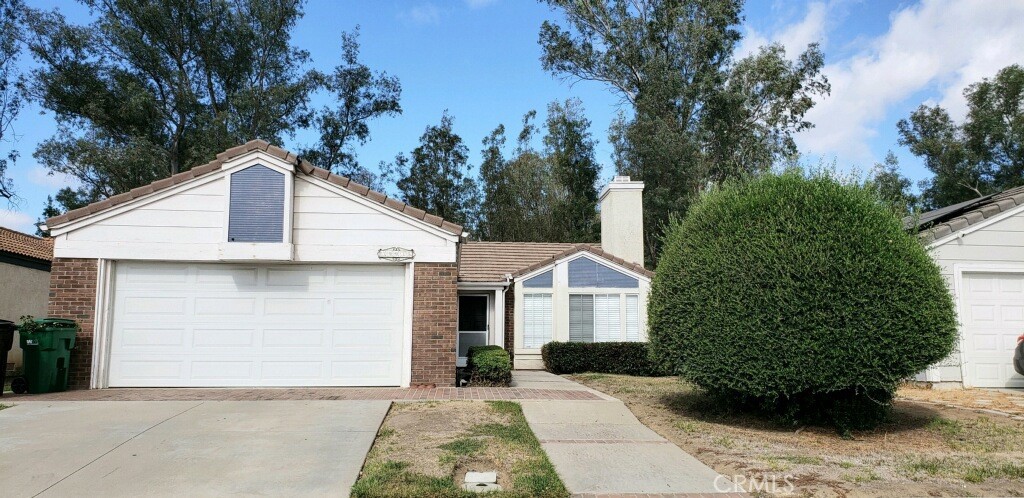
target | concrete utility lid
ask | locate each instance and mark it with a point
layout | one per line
(481, 482)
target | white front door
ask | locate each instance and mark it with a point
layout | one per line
(992, 318)
(474, 324)
(207, 325)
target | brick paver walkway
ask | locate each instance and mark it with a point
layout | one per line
(341, 393)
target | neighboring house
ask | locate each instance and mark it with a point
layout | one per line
(25, 278)
(259, 269)
(979, 245)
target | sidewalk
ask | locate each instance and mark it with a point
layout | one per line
(600, 448)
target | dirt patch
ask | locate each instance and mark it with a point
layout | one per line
(923, 450)
(974, 399)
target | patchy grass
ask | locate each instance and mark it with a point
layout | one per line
(921, 450)
(425, 449)
(4, 407)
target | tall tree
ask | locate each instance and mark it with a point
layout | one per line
(149, 89)
(359, 95)
(569, 149)
(11, 88)
(892, 187)
(436, 176)
(697, 115)
(984, 154)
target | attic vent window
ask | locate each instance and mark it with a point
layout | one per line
(257, 206)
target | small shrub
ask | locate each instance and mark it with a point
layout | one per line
(803, 297)
(489, 366)
(624, 358)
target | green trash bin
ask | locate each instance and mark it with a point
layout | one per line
(46, 353)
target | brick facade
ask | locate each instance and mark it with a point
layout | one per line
(73, 295)
(434, 322)
(510, 322)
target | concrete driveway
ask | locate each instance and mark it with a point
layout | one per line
(196, 448)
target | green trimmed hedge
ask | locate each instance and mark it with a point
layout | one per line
(625, 358)
(489, 366)
(801, 297)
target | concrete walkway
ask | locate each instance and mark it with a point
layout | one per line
(185, 448)
(600, 448)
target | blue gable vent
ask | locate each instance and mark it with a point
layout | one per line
(585, 272)
(257, 206)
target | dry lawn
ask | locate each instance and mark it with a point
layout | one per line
(924, 450)
(426, 448)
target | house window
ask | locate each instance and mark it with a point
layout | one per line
(257, 205)
(536, 320)
(585, 272)
(600, 317)
(542, 281)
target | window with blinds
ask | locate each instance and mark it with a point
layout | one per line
(536, 320)
(599, 317)
(257, 206)
(585, 272)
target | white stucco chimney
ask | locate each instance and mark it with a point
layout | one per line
(622, 219)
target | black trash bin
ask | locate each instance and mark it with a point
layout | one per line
(7, 329)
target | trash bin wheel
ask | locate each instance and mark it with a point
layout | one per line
(19, 385)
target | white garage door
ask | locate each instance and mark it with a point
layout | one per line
(993, 317)
(208, 325)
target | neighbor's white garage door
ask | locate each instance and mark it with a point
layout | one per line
(993, 317)
(252, 325)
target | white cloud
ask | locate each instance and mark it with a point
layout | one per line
(936, 46)
(16, 220)
(795, 37)
(479, 4)
(42, 176)
(427, 13)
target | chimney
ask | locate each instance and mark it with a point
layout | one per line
(622, 219)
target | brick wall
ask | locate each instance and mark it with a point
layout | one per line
(73, 295)
(434, 323)
(510, 321)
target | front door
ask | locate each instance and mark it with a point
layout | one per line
(474, 323)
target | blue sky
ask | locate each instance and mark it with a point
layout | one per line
(479, 59)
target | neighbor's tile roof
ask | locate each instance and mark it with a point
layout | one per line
(24, 244)
(254, 145)
(969, 214)
(491, 261)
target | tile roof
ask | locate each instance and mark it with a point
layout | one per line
(491, 261)
(970, 213)
(258, 145)
(24, 244)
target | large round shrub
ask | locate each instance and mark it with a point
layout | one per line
(802, 296)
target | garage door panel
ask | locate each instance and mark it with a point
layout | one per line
(227, 325)
(993, 305)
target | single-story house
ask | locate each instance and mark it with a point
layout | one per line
(260, 269)
(979, 245)
(24, 266)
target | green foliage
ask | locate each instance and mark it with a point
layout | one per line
(984, 154)
(699, 116)
(436, 176)
(523, 193)
(464, 446)
(149, 89)
(489, 366)
(12, 92)
(625, 358)
(891, 187)
(800, 295)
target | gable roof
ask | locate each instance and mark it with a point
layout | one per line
(946, 221)
(26, 245)
(491, 261)
(258, 145)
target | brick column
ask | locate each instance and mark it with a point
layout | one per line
(434, 322)
(73, 295)
(510, 322)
